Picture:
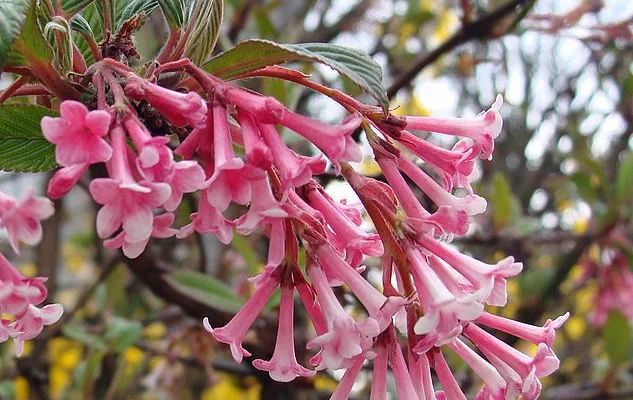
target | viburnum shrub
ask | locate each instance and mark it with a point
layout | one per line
(221, 144)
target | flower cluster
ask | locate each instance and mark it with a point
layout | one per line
(233, 153)
(20, 318)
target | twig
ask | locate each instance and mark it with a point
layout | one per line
(478, 29)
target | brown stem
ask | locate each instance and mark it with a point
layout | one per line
(10, 91)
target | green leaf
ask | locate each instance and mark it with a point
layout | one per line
(242, 246)
(23, 147)
(72, 7)
(121, 333)
(255, 54)
(205, 289)
(501, 200)
(12, 16)
(624, 180)
(205, 31)
(174, 12)
(617, 335)
(81, 25)
(31, 42)
(77, 332)
(137, 7)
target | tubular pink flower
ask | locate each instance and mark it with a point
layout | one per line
(451, 388)
(283, 366)
(483, 129)
(191, 143)
(155, 161)
(494, 383)
(264, 109)
(381, 309)
(349, 235)
(257, 153)
(208, 219)
(187, 177)
(78, 134)
(18, 292)
(294, 170)
(543, 363)
(420, 371)
(31, 324)
(310, 303)
(344, 338)
(161, 228)
(233, 333)
(456, 166)
(125, 202)
(442, 311)
(379, 373)
(471, 203)
(65, 179)
(21, 218)
(531, 333)
(477, 272)
(344, 388)
(178, 108)
(264, 208)
(335, 142)
(404, 386)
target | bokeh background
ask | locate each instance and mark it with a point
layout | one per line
(559, 190)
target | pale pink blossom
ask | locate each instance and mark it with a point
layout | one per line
(233, 333)
(22, 218)
(264, 109)
(31, 324)
(344, 388)
(483, 129)
(65, 179)
(161, 228)
(494, 384)
(379, 373)
(335, 142)
(264, 208)
(208, 219)
(531, 333)
(78, 134)
(451, 389)
(178, 108)
(283, 366)
(257, 152)
(187, 177)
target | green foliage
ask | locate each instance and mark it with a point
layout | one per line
(79, 333)
(23, 147)
(624, 180)
(31, 41)
(207, 15)
(71, 7)
(12, 16)
(174, 12)
(121, 333)
(137, 7)
(255, 54)
(617, 336)
(205, 289)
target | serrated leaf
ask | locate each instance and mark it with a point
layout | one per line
(23, 147)
(174, 12)
(71, 7)
(205, 31)
(252, 55)
(31, 42)
(205, 289)
(137, 7)
(12, 16)
(617, 335)
(624, 180)
(121, 333)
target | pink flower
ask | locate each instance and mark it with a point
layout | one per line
(483, 129)
(264, 208)
(78, 134)
(379, 373)
(178, 108)
(257, 152)
(187, 177)
(125, 202)
(495, 385)
(456, 166)
(22, 218)
(208, 219)
(420, 371)
(344, 388)
(233, 333)
(264, 109)
(294, 170)
(531, 333)
(335, 142)
(65, 179)
(283, 366)
(344, 338)
(32, 323)
(161, 228)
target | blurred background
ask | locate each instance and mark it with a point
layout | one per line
(559, 190)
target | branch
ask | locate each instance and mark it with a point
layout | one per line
(480, 29)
